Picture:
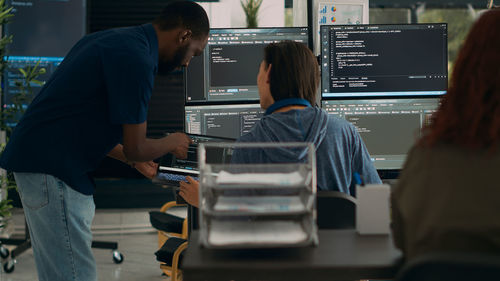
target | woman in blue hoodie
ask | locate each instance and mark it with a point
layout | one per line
(288, 80)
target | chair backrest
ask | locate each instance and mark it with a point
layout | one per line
(451, 266)
(335, 210)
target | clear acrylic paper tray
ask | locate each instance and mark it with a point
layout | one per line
(257, 205)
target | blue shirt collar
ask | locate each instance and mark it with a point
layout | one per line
(286, 102)
(150, 32)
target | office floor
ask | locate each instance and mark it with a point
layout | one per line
(138, 249)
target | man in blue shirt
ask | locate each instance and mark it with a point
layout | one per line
(95, 104)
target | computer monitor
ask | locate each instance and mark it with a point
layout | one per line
(226, 121)
(388, 127)
(227, 70)
(383, 60)
(44, 28)
(43, 33)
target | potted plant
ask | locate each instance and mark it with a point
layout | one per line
(5, 184)
(13, 111)
(251, 9)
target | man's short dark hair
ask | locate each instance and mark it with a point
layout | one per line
(187, 14)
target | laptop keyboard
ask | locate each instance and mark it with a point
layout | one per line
(171, 179)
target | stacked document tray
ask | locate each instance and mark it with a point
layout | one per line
(257, 205)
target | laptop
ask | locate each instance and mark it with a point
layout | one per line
(172, 170)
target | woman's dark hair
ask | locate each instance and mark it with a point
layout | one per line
(187, 14)
(294, 71)
(469, 114)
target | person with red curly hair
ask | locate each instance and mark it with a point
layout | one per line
(446, 198)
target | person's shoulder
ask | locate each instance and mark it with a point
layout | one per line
(123, 39)
(127, 46)
(336, 123)
(249, 136)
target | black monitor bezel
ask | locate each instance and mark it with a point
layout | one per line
(389, 173)
(381, 97)
(185, 80)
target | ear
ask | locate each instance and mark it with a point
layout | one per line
(268, 73)
(184, 36)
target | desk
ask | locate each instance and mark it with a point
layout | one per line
(341, 255)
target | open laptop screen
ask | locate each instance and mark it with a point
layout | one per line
(171, 170)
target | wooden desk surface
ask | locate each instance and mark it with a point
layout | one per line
(341, 255)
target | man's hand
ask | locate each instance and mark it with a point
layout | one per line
(189, 191)
(180, 144)
(138, 148)
(148, 169)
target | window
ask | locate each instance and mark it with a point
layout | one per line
(459, 22)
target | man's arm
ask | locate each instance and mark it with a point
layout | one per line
(148, 169)
(138, 148)
(117, 153)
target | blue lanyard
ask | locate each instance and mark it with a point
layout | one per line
(286, 102)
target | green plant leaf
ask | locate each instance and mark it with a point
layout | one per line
(38, 82)
(23, 72)
(7, 114)
(5, 13)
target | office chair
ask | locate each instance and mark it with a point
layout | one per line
(335, 210)
(170, 256)
(24, 243)
(451, 267)
(172, 239)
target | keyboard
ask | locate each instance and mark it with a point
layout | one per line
(170, 179)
